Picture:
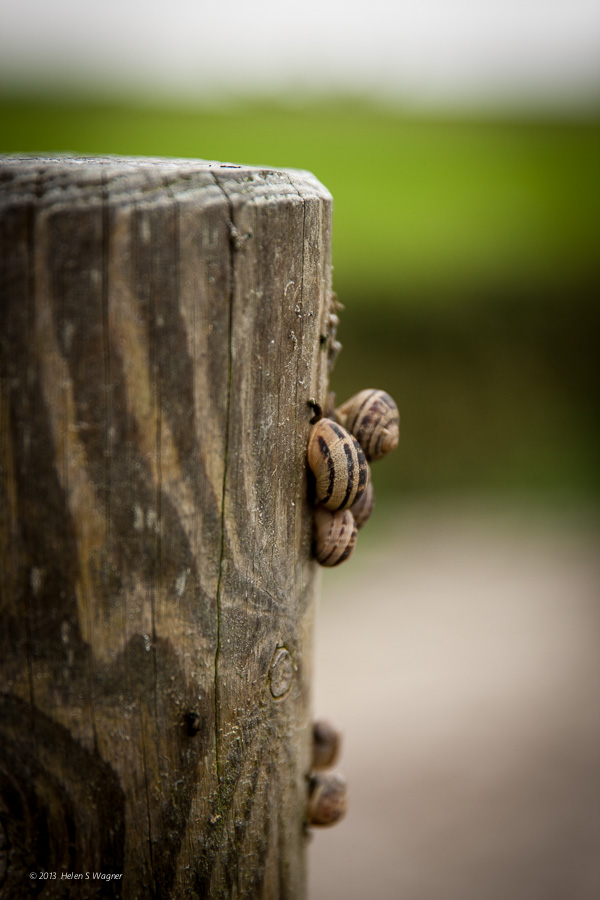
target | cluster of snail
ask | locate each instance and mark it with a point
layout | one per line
(340, 447)
(327, 795)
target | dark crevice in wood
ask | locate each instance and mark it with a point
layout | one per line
(105, 293)
(297, 404)
(31, 258)
(156, 373)
(230, 302)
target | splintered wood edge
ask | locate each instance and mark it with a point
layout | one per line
(58, 179)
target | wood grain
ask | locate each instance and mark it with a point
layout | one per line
(162, 329)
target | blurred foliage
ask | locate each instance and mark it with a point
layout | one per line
(466, 254)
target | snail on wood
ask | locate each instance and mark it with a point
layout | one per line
(372, 417)
(364, 506)
(338, 464)
(335, 536)
(326, 744)
(327, 798)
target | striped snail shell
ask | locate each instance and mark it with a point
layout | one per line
(364, 506)
(335, 536)
(338, 464)
(327, 798)
(372, 417)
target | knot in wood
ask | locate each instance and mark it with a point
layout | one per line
(281, 672)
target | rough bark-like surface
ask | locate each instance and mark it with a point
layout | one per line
(162, 328)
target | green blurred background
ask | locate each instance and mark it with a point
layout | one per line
(466, 254)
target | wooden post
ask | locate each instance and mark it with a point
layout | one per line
(163, 325)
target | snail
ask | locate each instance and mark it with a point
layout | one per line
(327, 798)
(335, 536)
(364, 506)
(326, 744)
(338, 464)
(372, 417)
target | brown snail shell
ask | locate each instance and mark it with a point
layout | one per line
(364, 506)
(338, 464)
(326, 744)
(335, 536)
(373, 418)
(327, 798)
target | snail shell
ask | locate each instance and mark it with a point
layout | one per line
(335, 536)
(364, 506)
(372, 417)
(326, 744)
(327, 799)
(338, 464)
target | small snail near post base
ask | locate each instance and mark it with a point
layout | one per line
(327, 791)
(327, 742)
(327, 798)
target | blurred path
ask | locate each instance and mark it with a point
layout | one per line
(460, 654)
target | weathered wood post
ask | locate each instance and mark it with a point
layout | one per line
(163, 325)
